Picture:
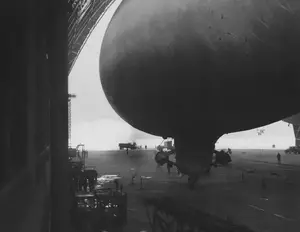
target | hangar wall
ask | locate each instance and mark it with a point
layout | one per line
(34, 184)
(34, 116)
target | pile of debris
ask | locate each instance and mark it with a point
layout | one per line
(99, 203)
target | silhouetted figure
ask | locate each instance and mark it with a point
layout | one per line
(145, 146)
(91, 183)
(81, 183)
(178, 172)
(85, 184)
(169, 166)
(90, 177)
(117, 184)
(243, 177)
(133, 175)
(127, 151)
(278, 158)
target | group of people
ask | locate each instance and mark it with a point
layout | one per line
(163, 158)
(84, 180)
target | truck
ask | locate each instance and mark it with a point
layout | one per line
(131, 146)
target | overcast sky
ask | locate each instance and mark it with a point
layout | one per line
(95, 123)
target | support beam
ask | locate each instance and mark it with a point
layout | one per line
(297, 134)
(58, 50)
(70, 96)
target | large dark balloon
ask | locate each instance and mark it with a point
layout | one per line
(202, 68)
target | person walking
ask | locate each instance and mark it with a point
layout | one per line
(278, 158)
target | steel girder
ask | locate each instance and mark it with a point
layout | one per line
(83, 16)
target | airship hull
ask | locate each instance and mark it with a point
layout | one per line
(222, 66)
(223, 63)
